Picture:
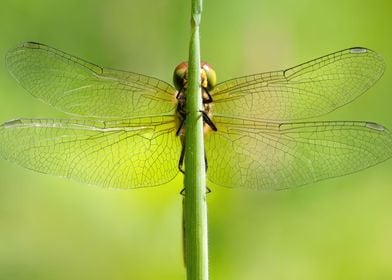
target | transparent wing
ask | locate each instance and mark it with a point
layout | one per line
(307, 90)
(78, 87)
(263, 155)
(134, 153)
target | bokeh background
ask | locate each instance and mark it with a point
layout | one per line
(51, 228)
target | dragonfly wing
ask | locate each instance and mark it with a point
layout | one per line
(81, 88)
(140, 152)
(310, 89)
(264, 155)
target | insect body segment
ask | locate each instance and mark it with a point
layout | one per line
(207, 83)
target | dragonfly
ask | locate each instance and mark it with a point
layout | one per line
(126, 129)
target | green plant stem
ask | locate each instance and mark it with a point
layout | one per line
(196, 239)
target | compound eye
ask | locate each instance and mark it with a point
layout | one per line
(210, 74)
(180, 75)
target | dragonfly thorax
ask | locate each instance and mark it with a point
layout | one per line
(207, 82)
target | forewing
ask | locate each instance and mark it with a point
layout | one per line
(310, 89)
(81, 88)
(134, 153)
(265, 156)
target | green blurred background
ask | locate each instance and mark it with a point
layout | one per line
(51, 228)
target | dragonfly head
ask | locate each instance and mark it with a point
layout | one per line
(180, 75)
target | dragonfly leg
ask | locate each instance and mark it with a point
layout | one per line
(208, 121)
(179, 93)
(208, 190)
(180, 127)
(205, 160)
(181, 162)
(182, 155)
(209, 97)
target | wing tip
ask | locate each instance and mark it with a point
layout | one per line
(28, 44)
(378, 127)
(359, 50)
(363, 50)
(375, 126)
(10, 55)
(32, 45)
(11, 123)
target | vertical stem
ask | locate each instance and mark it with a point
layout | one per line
(196, 239)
